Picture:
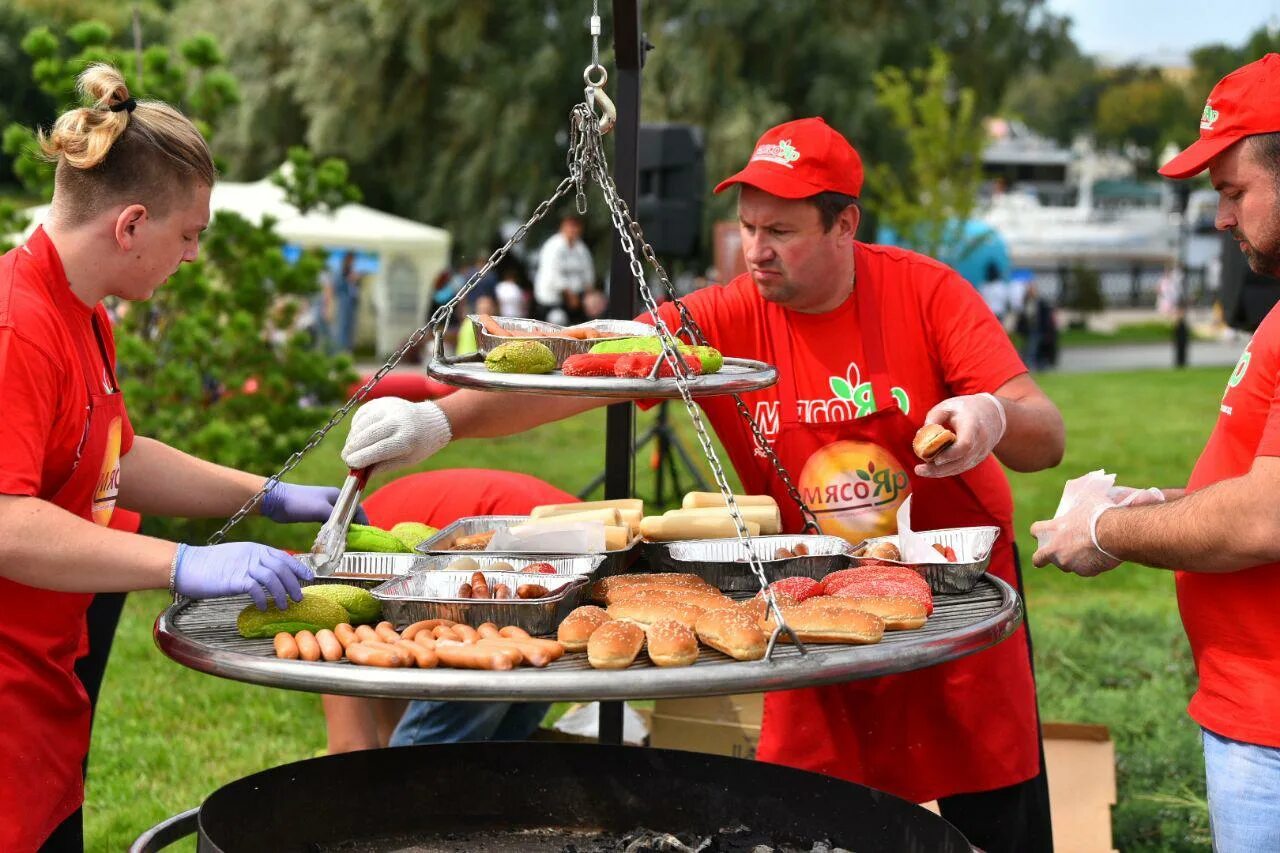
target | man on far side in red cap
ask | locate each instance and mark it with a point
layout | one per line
(871, 342)
(1221, 534)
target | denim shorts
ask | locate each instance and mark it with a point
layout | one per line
(1244, 794)
(451, 722)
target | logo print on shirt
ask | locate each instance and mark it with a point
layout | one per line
(851, 399)
(1237, 376)
(784, 153)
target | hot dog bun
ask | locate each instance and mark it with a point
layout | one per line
(732, 631)
(817, 624)
(932, 439)
(671, 643)
(667, 528)
(897, 612)
(884, 550)
(768, 517)
(601, 589)
(693, 500)
(614, 645)
(706, 599)
(577, 627)
(645, 611)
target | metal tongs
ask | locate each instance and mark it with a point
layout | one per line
(331, 541)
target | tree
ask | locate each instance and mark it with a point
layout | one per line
(928, 202)
(1061, 103)
(1148, 113)
(212, 363)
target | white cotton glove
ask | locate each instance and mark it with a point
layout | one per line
(391, 433)
(978, 420)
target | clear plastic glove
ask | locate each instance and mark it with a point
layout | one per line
(1070, 541)
(392, 433)
(1128, 496)
(287, 503)
(978, 420)
(236, 568)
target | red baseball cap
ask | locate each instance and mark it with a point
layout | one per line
(1244, 103)
(799, 159)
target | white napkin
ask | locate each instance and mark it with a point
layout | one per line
(913, 547)
(1091, 486)
(571, 537)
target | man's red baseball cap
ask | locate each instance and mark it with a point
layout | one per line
(799, 159)
(1244, 103)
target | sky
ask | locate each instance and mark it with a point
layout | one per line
(1125, 30)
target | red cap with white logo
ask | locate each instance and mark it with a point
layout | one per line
(799, 159)
(1244, 103)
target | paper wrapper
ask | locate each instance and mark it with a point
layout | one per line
(1093, 486)
(913, 547)
(572, 537)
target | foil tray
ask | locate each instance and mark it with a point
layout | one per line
(738, 376)
(723, 563)
(612, 562)
(561, 348)
(973, 554)
(367, 569)
(434, 595)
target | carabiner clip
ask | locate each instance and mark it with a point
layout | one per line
(610, 112)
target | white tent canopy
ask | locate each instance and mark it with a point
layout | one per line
(412, 255)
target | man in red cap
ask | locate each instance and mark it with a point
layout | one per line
(1221, 534)
(871, 342)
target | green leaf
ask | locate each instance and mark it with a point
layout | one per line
(841, 388)
(863, 475)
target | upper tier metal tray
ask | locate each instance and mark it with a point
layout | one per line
(738, 376)
(202, 635)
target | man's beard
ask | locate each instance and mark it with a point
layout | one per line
(1262, 261)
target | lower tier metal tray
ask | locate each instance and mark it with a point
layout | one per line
(202, 635)
(738, 376)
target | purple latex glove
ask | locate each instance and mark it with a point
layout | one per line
(236, 568)
(288, 503)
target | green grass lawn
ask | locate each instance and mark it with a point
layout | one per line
(1108, 651)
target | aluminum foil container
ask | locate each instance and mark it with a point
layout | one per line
(613, 562)
(368, 569)
(434, 595)
(723, 563)
(973, 554)
(587, 564)
(561, 348)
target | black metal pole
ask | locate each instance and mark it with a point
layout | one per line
(619, 450)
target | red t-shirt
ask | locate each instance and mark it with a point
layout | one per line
(439, 498)
(48, 356)
(941, 340)
(1231, 618)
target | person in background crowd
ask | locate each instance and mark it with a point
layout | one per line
(995, 292)
(131, 198)
(565, 272)
(1039, 330)
(514, 297)
(1221, 534)
(346, 297)
(916, 343)
(440, 498)
(595, 304)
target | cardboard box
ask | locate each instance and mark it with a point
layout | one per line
(1080, 759)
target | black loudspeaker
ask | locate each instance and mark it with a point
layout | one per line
(1246, 297)
(671, 189)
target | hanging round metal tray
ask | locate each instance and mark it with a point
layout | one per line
(738, 376)
(202, 635)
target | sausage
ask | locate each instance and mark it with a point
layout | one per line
(387, 632)
(422, 656)
(537, 653)
(487, 630)
(477, 657)
(532, 590)
(365, 634)
(465, 591)
(491, 326)
(286, 646)
(425, 640)
(502, 591)
(511, 632)
(425, 625)
(479, 585)
(330, 646)
(466, 633)
(345, 634)
(444, 632)
(366, 654)
(308, 648)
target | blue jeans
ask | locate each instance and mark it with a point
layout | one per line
(451, 722)
(1244, 794)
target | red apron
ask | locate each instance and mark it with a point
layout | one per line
(44, 736)
(965, 726)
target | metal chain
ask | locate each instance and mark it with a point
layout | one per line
(690, 326)
(628, 231)
(437, 324)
